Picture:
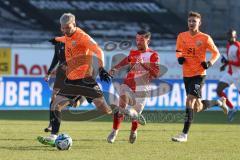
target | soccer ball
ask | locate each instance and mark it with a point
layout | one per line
(63, 142)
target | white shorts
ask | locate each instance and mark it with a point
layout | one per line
(231, 79)
(140, 99)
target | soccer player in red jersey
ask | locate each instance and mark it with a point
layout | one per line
(144, 66)
(232, 76)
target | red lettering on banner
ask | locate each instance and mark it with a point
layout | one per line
(19, 66)
(37, 69)
(45, 69)
(34, 70)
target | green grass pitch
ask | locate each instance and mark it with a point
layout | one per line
(216, 140)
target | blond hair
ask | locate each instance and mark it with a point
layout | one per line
(67, 18)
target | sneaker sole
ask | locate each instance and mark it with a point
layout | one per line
(175, 140)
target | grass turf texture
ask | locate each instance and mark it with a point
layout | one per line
(210, 138)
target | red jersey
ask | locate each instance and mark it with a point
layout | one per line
(139, 76)
(233, 54)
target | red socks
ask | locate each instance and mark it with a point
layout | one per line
(117, 119)
(134, 125)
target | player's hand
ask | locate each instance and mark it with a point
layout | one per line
(104, 75)
(223, 67)
(47, 77)
(224, 60)
(139, 60)
(181, 60)
(53, 41)
(206, 65)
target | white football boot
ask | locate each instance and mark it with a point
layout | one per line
(180, 138)
(224, 105)
(112, 136)
(133, 137)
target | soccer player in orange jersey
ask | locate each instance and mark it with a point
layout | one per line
(59, 61)
(79, 51)
(144, 64)
(191, 50)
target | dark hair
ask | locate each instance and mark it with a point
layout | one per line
(231, 30)
(146, 34)
(194, 14)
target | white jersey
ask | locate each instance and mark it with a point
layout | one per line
(233, 54)
(233, 75)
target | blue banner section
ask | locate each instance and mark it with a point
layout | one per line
(169, 94)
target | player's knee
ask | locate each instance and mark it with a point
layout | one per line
(190, 101)
(139, 108)
(198, 106)
(123, 101)
(55, 107)
(102, 105)
(99, 101)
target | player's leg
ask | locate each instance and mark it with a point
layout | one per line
(89, 88)
(129, 99)
(225, 82)
(58, 104)
(78, 101)
(49, 128)
(193, 90)
(58, 84)
(102, 105)
(117, 119)
(236, 81)
(206, 104)
(139, 106)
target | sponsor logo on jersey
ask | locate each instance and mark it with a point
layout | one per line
(199, 43)
(74, 43)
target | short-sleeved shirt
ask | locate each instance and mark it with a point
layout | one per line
(193, 49)
(138, 76)
(79, 49)
(233, 54)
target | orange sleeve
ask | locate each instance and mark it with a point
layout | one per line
(94, 47)
(61, 39)
(213, 49)
(179, 46)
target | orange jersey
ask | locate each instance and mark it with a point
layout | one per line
(79, 49)
(193, 49)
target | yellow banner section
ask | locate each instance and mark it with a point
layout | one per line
(5, 61)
